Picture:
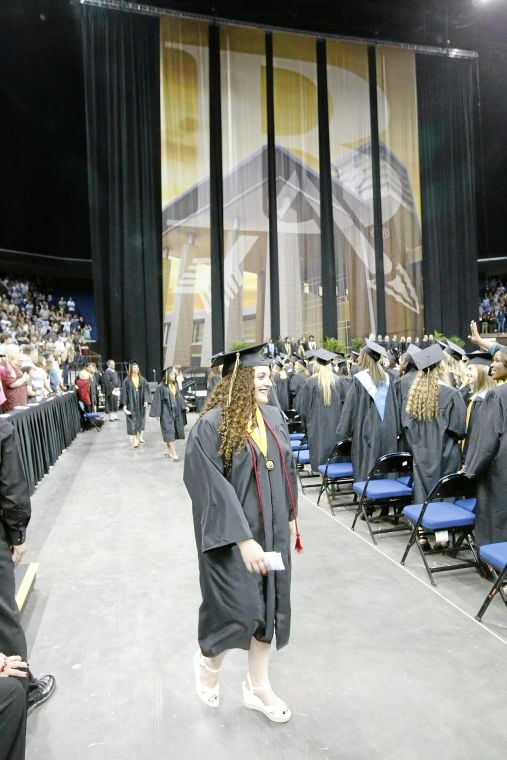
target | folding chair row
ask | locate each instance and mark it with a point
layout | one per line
(388, 488)
(336, 472)
(448, 508)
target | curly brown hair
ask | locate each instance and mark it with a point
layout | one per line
(236, 416)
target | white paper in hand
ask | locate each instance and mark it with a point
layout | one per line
(274, 560)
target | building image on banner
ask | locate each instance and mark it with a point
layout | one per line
(247, 289)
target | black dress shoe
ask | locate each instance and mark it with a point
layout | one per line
(40, 690)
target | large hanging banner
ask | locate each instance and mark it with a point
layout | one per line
(185, 187)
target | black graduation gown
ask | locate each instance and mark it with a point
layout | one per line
(169, 409)
(371, 436)
(434, 443)
(237, 604)
(296, 386)
(487, 460)
(321, 421)
(472, 415)
(134, 401)
(281, 386)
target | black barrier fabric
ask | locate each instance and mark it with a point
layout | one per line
(43, 431)
(121, 63)
(447, 102)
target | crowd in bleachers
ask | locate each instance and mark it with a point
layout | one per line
(493, 307)
(43, 338)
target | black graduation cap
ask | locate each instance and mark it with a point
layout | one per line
(480, 357)
(375, 350)
(324, 356)
(244, 357)
(354, 355)
(297, 359)
(426, 358)
(452, 349)
(412, 349)
(278, 360)
(309, 355)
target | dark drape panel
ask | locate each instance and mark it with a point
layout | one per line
(273, 217)
(329, 308)
(377, 194)
(447, 103)
(121, 63)
(216, 194)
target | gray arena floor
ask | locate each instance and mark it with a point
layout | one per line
(380, 665)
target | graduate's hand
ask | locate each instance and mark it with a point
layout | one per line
(474, 336)
(292, 528)
(126, 411)
(9, 666)
(17, 552)
(145, 404)
(252, 554)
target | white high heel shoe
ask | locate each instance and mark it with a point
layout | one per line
(277, 713)
(208, 696)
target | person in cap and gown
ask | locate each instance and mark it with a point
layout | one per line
(479, 384)
(453, 367)
(168, 406)
(240, 475)
(433, 420)
(486, 458)
(370, 414)
(323, 397)
(280, 383)
(135, 394)
(297, 383)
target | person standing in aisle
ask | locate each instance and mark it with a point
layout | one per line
(168, 406)
(112, 390)
(135, 394)
(240, 475)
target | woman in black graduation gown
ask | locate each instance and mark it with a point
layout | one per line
(433, 421)
(135, 394)
(487, 458)
(479, 384)
(168, 406)
(240, 475)
(321, 408)
(370, 412)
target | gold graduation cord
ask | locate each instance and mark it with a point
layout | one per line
(172, 388)
(467, 423)
(258, 434)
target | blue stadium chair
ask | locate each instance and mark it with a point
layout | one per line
(336, 472)
(442, 512)
(301, 454)
(90, 419)
(496, 557)
(388, 487)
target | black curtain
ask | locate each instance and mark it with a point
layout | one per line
(447, 104)
(121, 63)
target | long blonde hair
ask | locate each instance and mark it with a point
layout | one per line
(484, 381)
(374, 368)
(456, 368)
(422, 401)
(236, 416)
(326, 381)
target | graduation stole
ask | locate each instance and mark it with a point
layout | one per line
(261, 435)
(377, 392)
(258, 435)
